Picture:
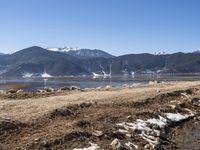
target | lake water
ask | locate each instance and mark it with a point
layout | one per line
(32, 84)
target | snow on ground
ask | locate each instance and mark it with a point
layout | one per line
(177, 117)
(185, 94)
(149, 133)
(45, 75)
(27, 75)
(161, 122)
(131, 145)
(92, 147)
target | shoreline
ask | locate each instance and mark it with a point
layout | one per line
(32, 84)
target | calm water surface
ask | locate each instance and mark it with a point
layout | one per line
(32, 84)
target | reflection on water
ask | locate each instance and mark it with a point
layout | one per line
(32, 84)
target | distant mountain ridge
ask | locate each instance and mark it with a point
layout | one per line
(197, 52)
(35, 60)
(88, 53)
(84, 53)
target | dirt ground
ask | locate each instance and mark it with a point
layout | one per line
(89, 119)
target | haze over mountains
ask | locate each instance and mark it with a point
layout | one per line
(59, 62)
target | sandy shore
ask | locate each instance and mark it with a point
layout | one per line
(75, 119)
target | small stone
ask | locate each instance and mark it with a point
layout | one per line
(49, 89)
(97, 133)
(40, 91)
(37, 139)
(147, 146)
(115, 144)
(12, 91)
(64, 88)
(74, 88)
(158, 91)
(129, 117)
(128, 135)
(20, 91)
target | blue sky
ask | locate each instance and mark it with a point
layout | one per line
(116, 26)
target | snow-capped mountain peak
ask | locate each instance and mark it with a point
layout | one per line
(197, 51)
(83, 52)
(64, 49)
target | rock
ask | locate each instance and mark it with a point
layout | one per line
(108, 87)
(49, 89)
(196, 102)
(158, 91)
(12, 91)
(153, 82)
(37, 139)
(74, 88)
(84, 123)
(147, 146)
(129, 117)
(97, 133)
(64, 88)
(40, 91)
(98, 88)
(128, 135)
(115, 144)
(19, 91)
(2, 91)
(131, 146)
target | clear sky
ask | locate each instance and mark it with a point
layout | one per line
(116, 26)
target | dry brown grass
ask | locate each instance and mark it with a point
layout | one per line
(68, 120)
(28, 109)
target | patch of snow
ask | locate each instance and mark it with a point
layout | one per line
(152, 82)
(45, 75)
(102, 75)
(135, 84)
(149, 134)
(108, 86)
(176, 117)
(95, 75)
(197, 103)
(173, 101)
(3, 71)
(122, 131)
(92, 147)
(185, 94)
(152, 140)
(27, 75)
(64, 49)
(53, 49)
(98, 88)
(173, 106)
(131, 145)
(125, 85)
(132, 73)
(161, 122)
(106, 74)
(146, 132)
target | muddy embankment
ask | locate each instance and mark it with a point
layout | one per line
(169, 120)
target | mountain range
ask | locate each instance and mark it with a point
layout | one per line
(36, 60)
(82, 53)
